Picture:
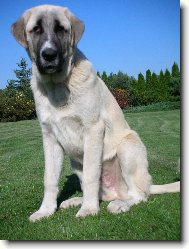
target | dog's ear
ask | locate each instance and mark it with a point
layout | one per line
(76, 25)
(18, 30)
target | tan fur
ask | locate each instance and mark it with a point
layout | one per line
(78, 115)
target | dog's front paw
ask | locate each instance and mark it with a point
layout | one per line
(40, 214)
(86, 211)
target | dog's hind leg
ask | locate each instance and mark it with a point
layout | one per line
(133, 162)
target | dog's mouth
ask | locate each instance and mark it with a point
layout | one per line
(49, 69)
(49, 60)
(46, 67)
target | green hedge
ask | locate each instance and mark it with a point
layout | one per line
(162, 106)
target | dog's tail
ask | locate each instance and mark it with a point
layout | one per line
(165, 188)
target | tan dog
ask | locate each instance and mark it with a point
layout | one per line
(79, 116)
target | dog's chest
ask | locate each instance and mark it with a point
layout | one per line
(69, 131)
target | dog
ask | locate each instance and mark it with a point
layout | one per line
(80, 117)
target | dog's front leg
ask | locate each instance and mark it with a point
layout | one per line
(53, 162)
(92, 162)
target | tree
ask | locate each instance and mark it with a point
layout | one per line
(149, 88)
(98, 74)
(163, 86)
(160, 86)
(110, 81)
(138, 90)
(121, 80)
(167, 77)
(22, 83)
(148, 77)
(141, 80)
(153, 96)
(174, 83)
(175, 70)
(174, 89)
(161, 76)
(104, 76)
(11, 89)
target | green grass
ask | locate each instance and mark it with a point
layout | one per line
(21, 171)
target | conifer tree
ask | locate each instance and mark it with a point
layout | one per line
(174, 85)
(167, 76)
(120, 80)
(11, 88)
(141, 90)
(154, 86)
(104, 76)
(141, 80)
(148, 77)
(22, 83)
(175, 70)
(164, 83)
(98, 74)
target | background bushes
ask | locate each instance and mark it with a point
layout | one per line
(121, 96)
(17, 107)
(146, 89)
(163, 106)
(16, 100)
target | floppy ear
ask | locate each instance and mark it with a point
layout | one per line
(18, 30)
(76, 25)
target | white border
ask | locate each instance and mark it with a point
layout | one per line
(185, 115)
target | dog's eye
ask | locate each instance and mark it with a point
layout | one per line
(59, 28)
(38, 29)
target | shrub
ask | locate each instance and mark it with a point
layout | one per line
(17, 107)
(121, 96)
(161, 106)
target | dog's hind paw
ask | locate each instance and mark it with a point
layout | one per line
(117, 206)
(73, 202)
(86, 211)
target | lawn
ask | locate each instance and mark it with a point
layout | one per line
(21, 171)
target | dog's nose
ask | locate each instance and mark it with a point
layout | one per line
(49, 54)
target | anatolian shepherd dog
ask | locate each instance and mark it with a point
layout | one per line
(79, 116)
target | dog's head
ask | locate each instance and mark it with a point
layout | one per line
(50, 35)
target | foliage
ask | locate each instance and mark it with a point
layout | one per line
(22, 83)
(175, 70)
(148, 76)
(174, 88)
(16, 100)
(121, 96)
(17, 107)
(120, 81)
(139, 89)
(162, 106)
(153, 88)
(174, 83)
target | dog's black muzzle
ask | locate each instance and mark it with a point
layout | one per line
(49, 60)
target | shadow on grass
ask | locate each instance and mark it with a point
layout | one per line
(71, 186)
